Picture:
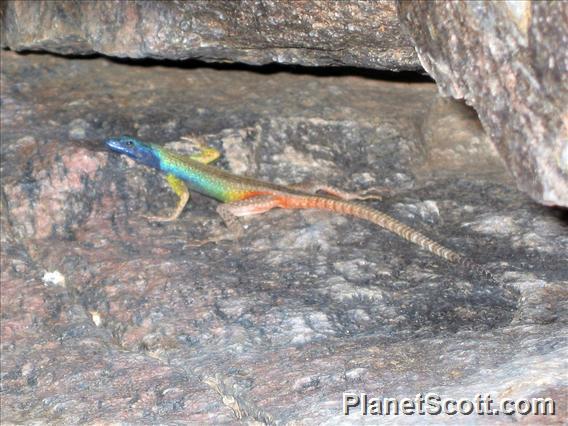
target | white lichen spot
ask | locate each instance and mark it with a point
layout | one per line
(54, 278)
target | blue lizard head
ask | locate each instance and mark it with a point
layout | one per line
(135, 149)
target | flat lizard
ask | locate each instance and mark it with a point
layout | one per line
(244, 196)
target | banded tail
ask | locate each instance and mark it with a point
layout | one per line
(379, 218)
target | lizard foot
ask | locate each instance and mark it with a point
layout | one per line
(375, 193)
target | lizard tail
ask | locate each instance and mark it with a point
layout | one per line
(387, 222)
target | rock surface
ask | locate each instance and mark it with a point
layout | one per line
(510, 62)
(308, 32)
(108, 318)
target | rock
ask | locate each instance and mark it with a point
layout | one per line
(310, 33)
(107, 318)
(509, 61)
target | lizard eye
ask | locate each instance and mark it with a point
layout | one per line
(129, 143)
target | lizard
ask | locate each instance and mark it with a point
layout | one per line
(244, 196)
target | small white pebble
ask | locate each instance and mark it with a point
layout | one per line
(96, 317)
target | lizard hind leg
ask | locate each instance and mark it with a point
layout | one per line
(230, 212)
(314, 187)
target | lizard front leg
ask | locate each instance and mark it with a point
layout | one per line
(180, 188)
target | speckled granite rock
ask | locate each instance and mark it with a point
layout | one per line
(106, 317)
(310, 32)
(509, 61)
